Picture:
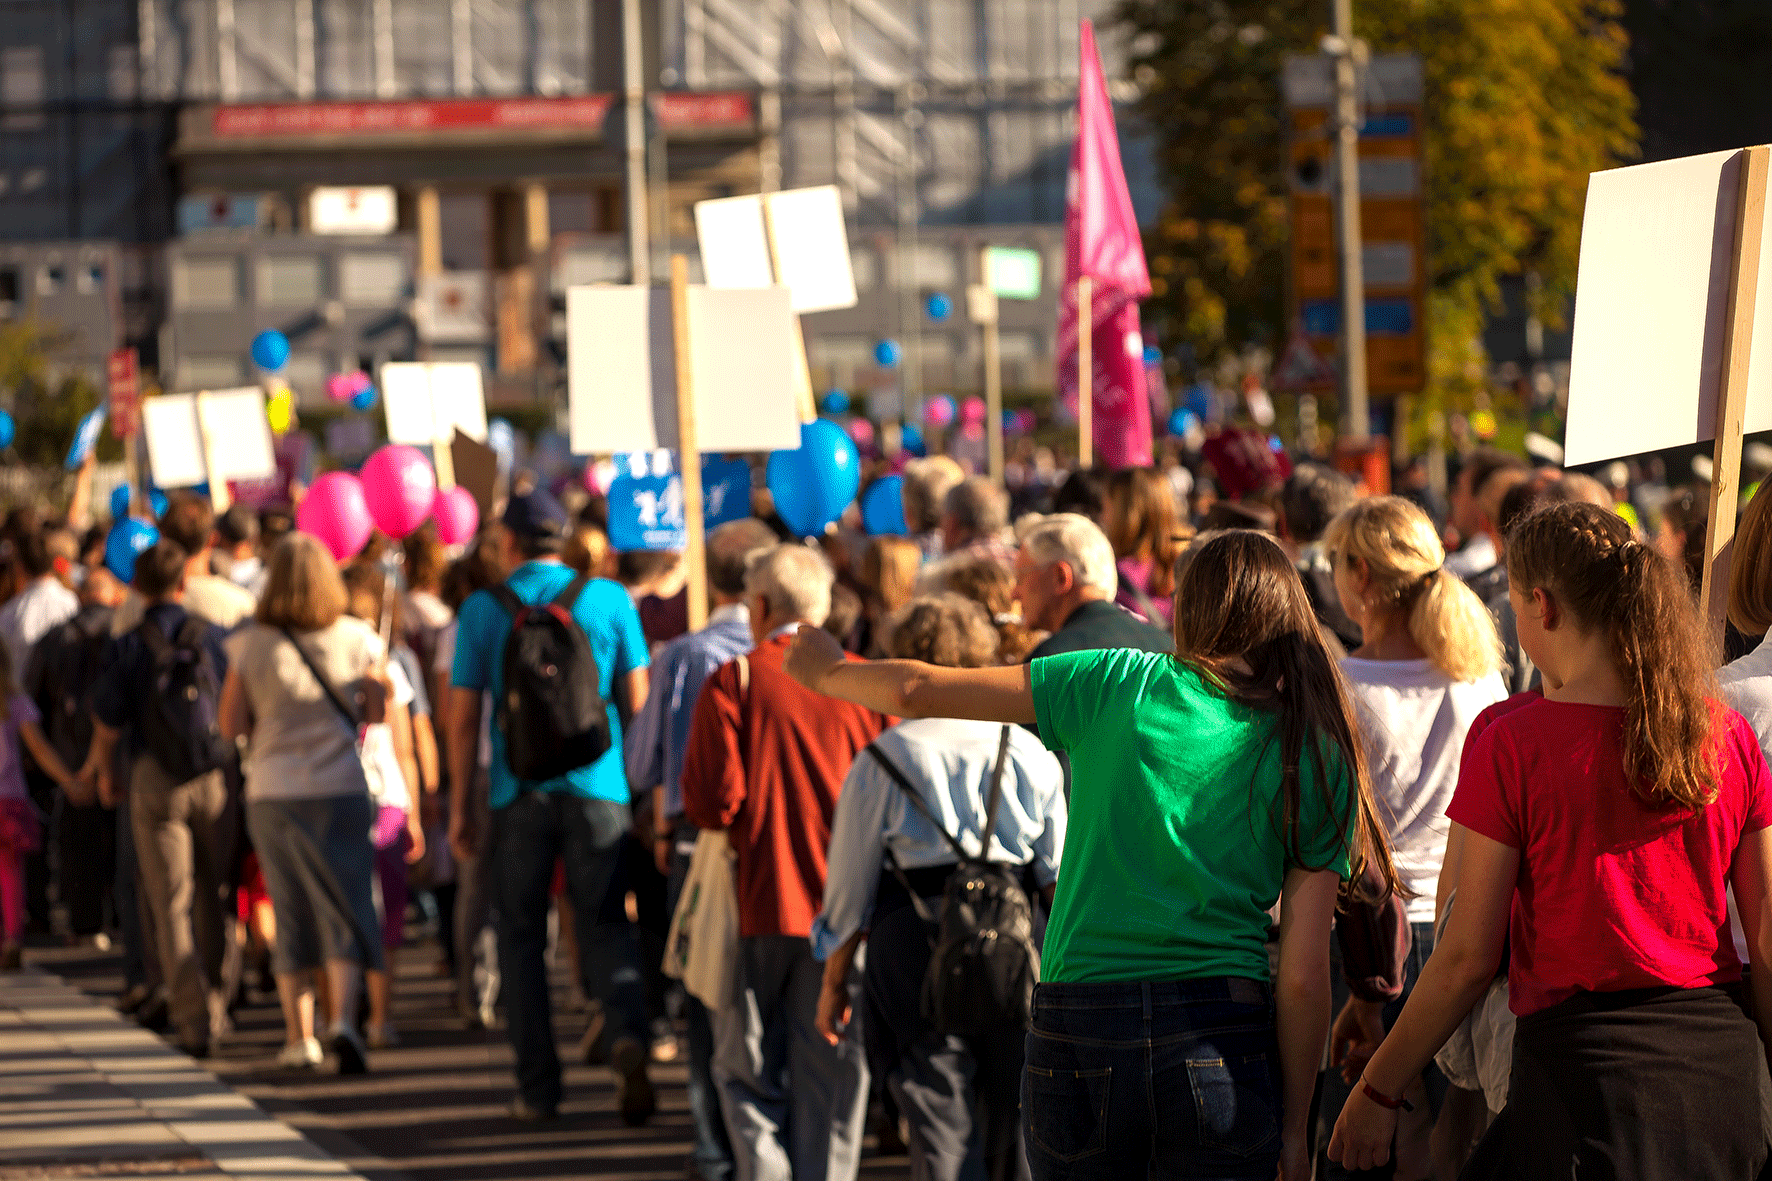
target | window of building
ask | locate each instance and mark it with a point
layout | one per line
(1020, 346)
(372, 280)
(208, 372)
(865, 265)
(933, 266)
(305, 373)
(121, 73)
(90, 278)
(51, 279)
(206, 284)
(8, 288)
(22, 87)
(290, 280)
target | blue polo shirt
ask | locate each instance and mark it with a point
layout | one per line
(612, 625)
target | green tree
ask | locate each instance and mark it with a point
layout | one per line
(47, 400)
(1523, 99)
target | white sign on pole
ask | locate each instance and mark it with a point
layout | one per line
(1651, 300)
(805, 248)
(234, 421)
(622, 372)
(428, 401)
(734, 244)
(369, 210)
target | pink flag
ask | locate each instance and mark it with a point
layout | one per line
(1101, 241)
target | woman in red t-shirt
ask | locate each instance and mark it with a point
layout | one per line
(1608, 820)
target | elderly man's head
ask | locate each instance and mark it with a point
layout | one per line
(973, 510)
(787, 584)
(1064, 562)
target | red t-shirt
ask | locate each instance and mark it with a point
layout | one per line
(1613, 894)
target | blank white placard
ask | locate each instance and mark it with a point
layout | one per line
(621, 369)
(426, 401)
(734, 244)
(1652, 294)
(811, 247)
(234, 419)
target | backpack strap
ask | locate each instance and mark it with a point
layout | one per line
(915, 799)
(338, 702)
(568, 596)
(996, 797)
(153, 639)
(507, 598)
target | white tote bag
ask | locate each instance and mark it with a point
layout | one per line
(702, 947)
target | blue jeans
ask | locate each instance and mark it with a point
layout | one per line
(528, 837)
(1172, 1079)
(713, 1151)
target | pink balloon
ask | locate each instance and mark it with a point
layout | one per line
(399, 488)
(938, 411)
(456, 514)
(359, 382)
(334, 512)
(972, 409)
(862, 431)
(339, 387)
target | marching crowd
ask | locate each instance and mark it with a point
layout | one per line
(1283, 830)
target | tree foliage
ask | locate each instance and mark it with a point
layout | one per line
(1523, 99)
(47, 400)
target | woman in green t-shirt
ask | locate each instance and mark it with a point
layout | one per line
(1206, 787)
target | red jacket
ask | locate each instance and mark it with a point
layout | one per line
(767, 764)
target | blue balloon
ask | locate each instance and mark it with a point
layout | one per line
(1182, 421)
(836, 402)
(7, 429)
(940, 307)
(363, 399)
(888, 354)
(815, 482)
(882, 507)
(1153, 355)
(270, 350)
(127, 541)
(911, 439)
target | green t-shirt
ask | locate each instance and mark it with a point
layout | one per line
(1174, 852)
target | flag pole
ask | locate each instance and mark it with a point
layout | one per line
(1085, 373)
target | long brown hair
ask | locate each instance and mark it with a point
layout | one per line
(1585, 558)
(1240, 600)
(1142, 523)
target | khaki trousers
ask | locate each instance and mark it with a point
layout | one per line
(173, 825)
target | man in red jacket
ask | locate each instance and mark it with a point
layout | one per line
(766, 761)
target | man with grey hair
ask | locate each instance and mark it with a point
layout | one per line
(766, 761)
(1066, 579)
(974, 515)
(927, 483)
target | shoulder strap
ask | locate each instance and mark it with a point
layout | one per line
(332, 694)
(744, 676)
(191, 633)
(916, 799)
(996, 797)
(507, 598)
(568, 597)
(155, 639)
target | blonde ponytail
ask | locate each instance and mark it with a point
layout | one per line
(1402, 554)
(1454, 628)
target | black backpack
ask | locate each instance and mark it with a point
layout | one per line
(552, 714)
(983, 964)
(180, 720)
(72, 658)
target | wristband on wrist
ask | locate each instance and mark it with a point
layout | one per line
(1383, 1100)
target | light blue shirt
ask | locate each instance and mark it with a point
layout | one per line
(949, 762)
(611, 624)
(659, 733)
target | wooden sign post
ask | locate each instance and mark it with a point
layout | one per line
(1085, 372)
(689, 453)
(1738, 335)
(981, 307)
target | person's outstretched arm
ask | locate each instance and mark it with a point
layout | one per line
(910, 688)
(1456, 976)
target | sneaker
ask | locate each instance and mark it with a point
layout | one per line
(353, 1058)
(523, 1111)
(133, 998)
(303, 1055)
(153, 1014)
(664, 1041)
(195, 1043)
(634, 1094)
(383, 1036)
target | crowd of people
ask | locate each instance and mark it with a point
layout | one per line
(1222, 821)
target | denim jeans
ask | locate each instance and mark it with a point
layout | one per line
(1172, 1079)
(528, 837)
(713, 1151)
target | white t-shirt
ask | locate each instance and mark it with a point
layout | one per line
(1413, 719)
(1746, 688)
(301, 747)
(381, 766)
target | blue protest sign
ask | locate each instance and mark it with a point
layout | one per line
(85, 438)
(725, 491)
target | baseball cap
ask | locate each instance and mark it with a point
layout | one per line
(534, 515)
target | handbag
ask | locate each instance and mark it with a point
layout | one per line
(701, 948)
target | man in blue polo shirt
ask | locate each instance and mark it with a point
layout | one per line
(581, 818)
